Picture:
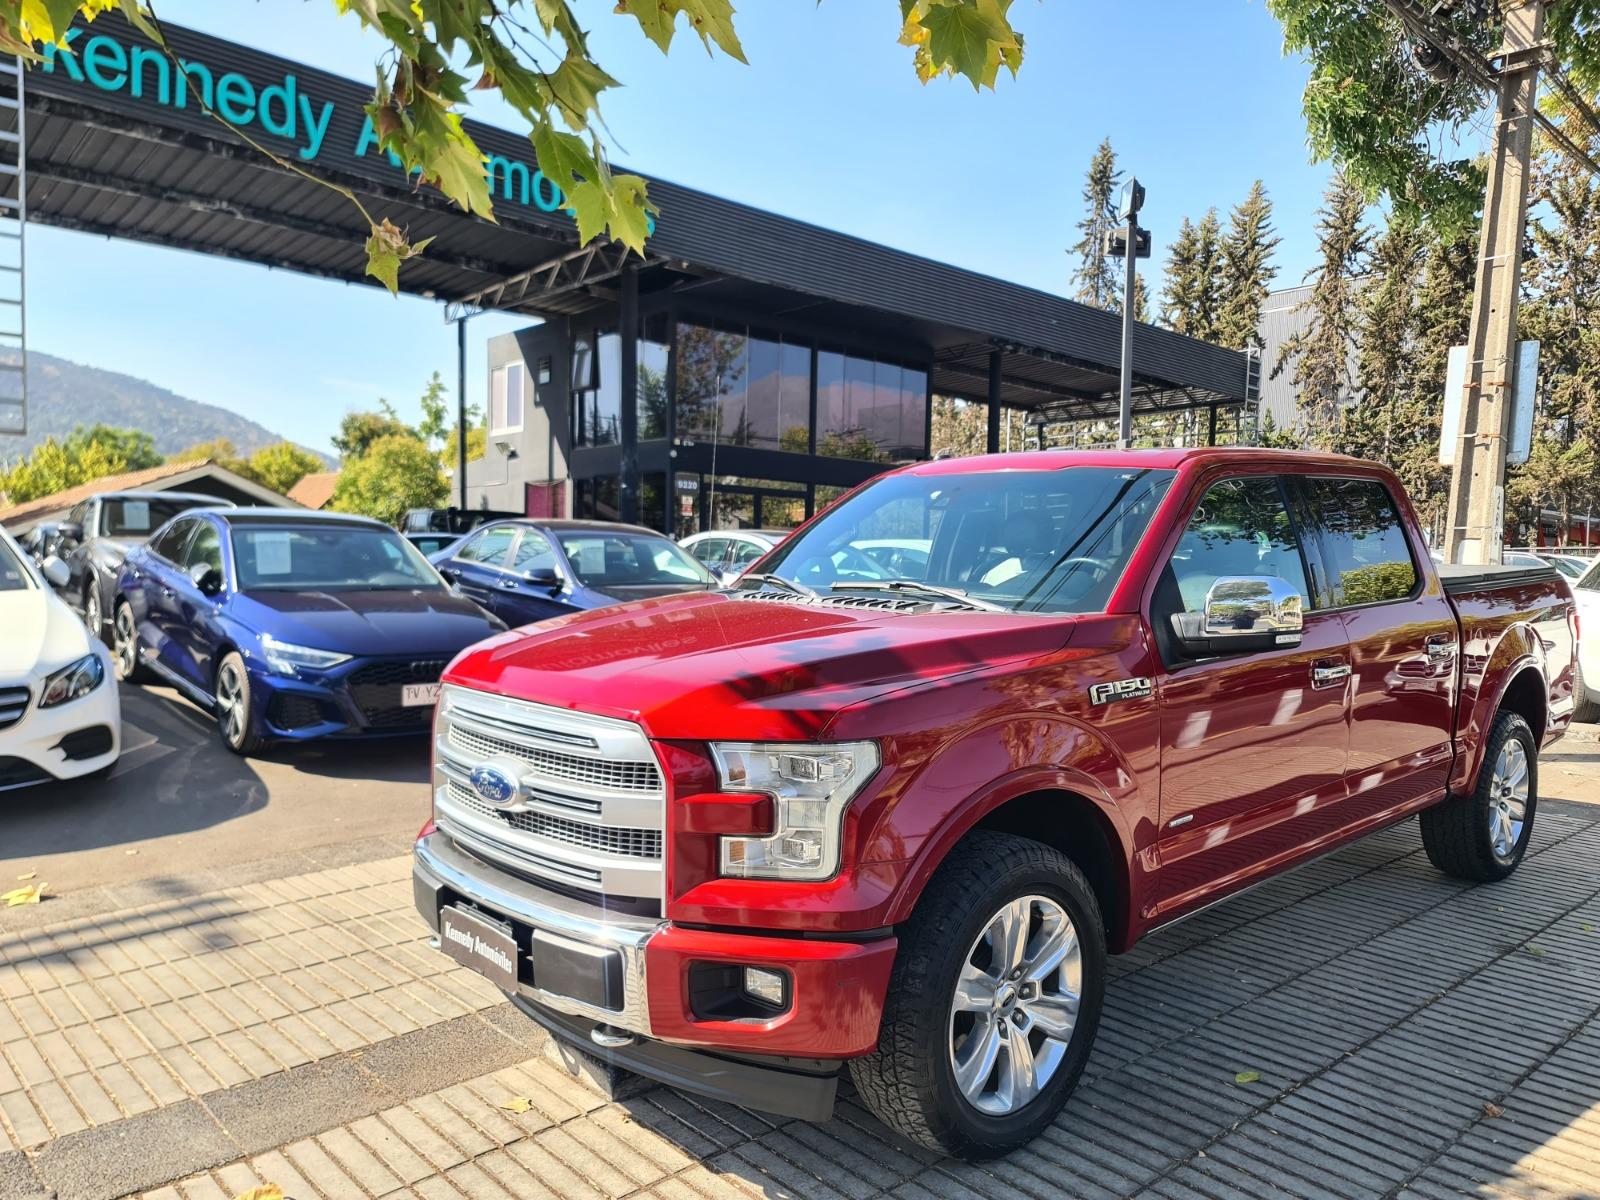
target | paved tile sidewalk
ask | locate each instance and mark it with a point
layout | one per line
(1415, 1037)
(107, 1017)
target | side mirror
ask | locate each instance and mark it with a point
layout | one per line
(1243, 614)
(207, 578)
(55, 572)
(545, 577)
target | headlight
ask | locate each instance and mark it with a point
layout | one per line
(286, 658)
(811, 786)
(72, 681)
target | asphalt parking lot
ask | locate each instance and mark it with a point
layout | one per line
(250, 999)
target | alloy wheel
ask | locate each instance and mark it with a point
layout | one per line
(1015, 1005)
(230, 703)
(91, 612)
(126, 642)
(1508, 799)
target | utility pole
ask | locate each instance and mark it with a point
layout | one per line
(1475, 519)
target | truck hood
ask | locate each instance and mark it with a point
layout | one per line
(41, 633)
(711, 666)
(426, 621)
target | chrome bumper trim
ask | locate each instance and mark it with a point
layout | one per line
(443, 863)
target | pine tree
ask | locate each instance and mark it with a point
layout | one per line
(1318, 357)
(1388, 326)
(1247, 271)
(1208, 267)
(1183, 288)
(1096, 278)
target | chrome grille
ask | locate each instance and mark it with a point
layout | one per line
(633, 843)
(591, 797)
(13, 703)
(553, 765)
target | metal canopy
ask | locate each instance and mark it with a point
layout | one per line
(154, 167)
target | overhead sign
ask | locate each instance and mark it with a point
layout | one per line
(294, 112)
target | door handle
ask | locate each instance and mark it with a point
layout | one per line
(166, 592)
(509, 585)
(1328, 674)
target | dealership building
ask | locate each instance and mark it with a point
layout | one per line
(747, 367)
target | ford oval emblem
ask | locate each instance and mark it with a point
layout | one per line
(495, 786)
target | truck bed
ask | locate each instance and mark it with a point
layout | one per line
(1459, 579)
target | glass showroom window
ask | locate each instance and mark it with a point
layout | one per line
(870, 410)
(506, 387)
(597, 412)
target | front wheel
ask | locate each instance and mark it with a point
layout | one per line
(993, 1002)
(1584, 709)
(1483, 836)
(92, 616)
(236, 706)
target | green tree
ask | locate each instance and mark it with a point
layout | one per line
(536, 55)
(283, 465)
(397, 472)
(221, 451)
(1318, 358)
(1382, 121)
(53, 467)
(1097, 278)
(439, 425)
(1246, 271)
(1183, 289)
(359, 430)
(135, 447)
(1387, 328)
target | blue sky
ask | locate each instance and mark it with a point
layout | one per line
(827, 124)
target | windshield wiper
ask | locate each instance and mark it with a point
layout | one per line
(913, 585)
(788, 585)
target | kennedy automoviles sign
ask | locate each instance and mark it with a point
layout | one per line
(281, 108)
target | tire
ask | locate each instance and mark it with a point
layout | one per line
(910, 1080)
(235, 707)
(1480, 836)
(1584, 709)
(125, 645)
(93, 617)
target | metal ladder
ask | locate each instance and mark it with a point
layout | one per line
(13, 257)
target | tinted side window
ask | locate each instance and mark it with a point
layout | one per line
(1240, 527)
(1368, 560)
(170, 544)
(491, 546)
(711, 551)
(745, 553)
(206, 548)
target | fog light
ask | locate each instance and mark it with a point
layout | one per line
(765, 986)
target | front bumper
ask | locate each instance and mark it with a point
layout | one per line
(360, 698)
(70, 740)
(835, 1001)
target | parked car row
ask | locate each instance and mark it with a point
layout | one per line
(287, 625)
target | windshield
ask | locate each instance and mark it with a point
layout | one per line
(1590, 580)
(1030, 541)
(13, 575)
(310, 558)
(136, 518)
(1571, 568)
(603, 559)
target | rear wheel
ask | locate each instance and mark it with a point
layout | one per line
(993, 1003)
(1585, 708)
(1483, 836)
(235, 706)
(125, 645)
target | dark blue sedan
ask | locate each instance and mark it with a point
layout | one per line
(292, 625)
(525, 571)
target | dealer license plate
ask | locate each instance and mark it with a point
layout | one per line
(415, 695)
(476, 942)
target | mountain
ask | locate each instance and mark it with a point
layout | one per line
(63, 395)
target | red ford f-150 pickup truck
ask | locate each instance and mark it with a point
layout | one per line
(885, 806)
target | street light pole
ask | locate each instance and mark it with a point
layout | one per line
(1129, 243)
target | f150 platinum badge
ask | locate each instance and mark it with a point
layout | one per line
(1118, 689)
(495, 785)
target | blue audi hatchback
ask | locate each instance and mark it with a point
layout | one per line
(292, 625)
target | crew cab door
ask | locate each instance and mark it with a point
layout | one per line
(1253, 744)
(1403, 642)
